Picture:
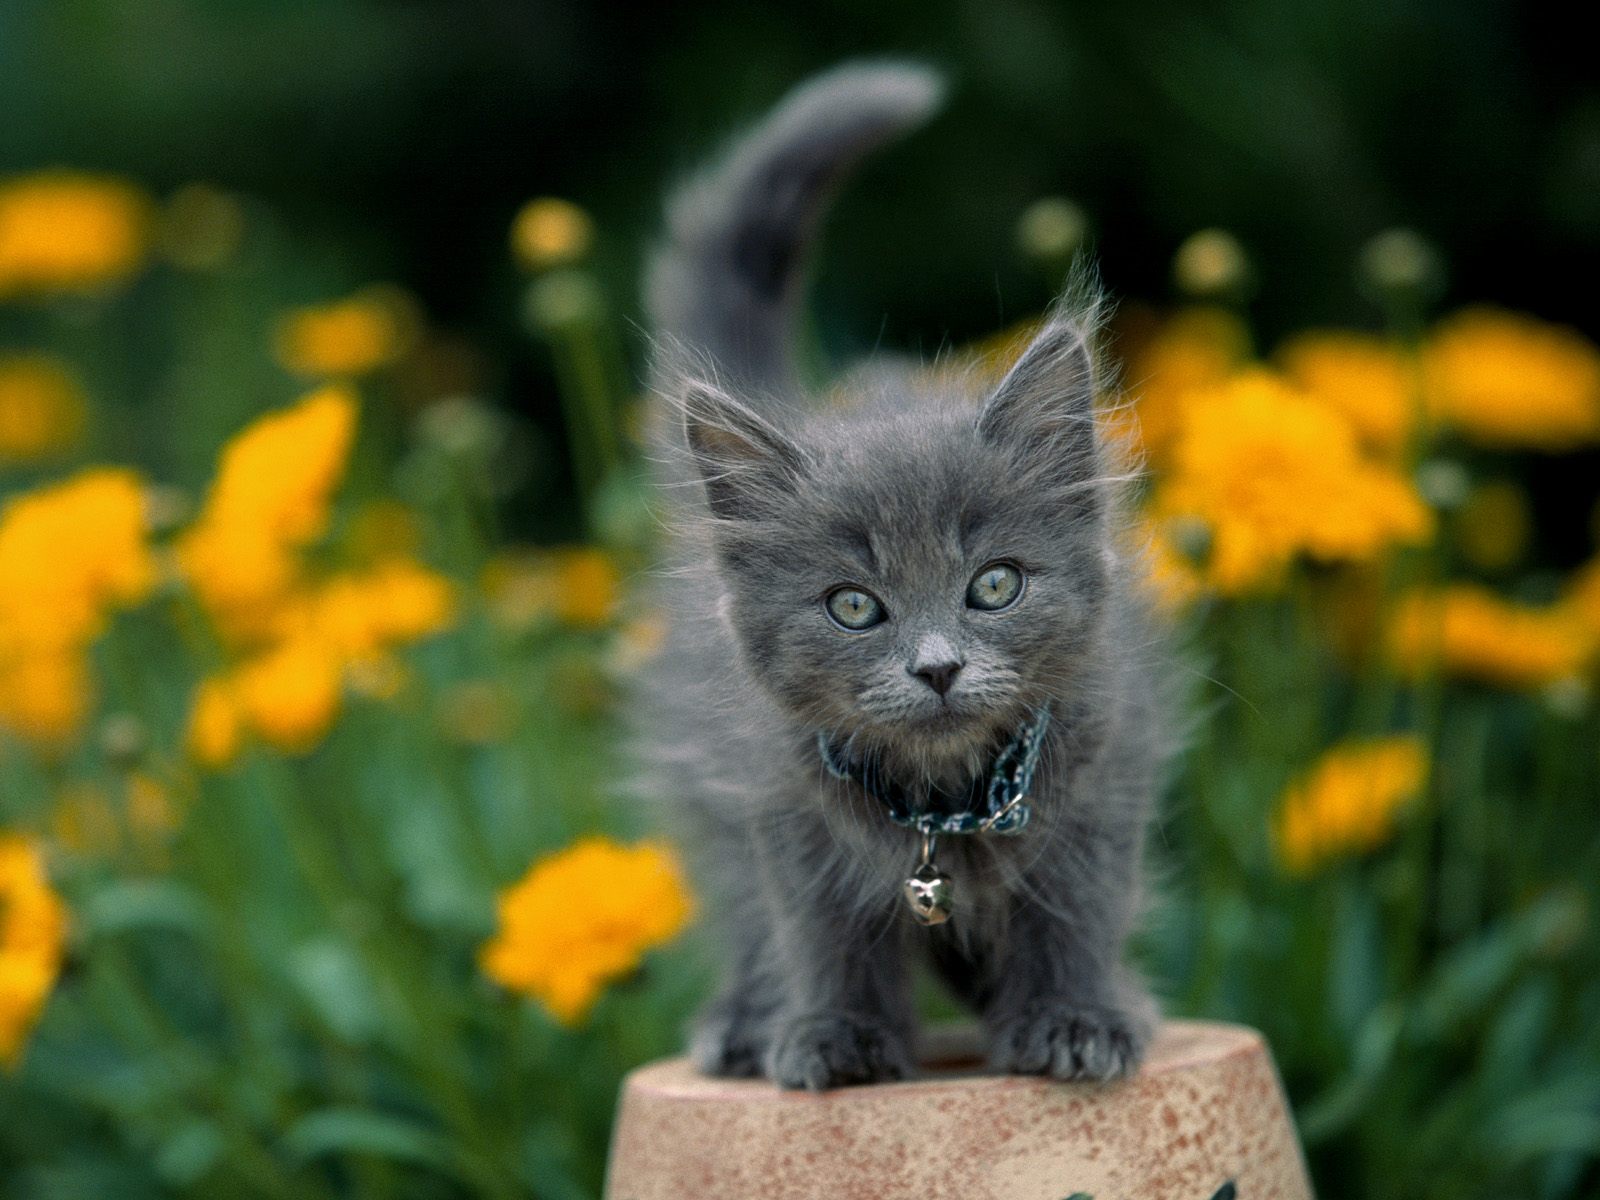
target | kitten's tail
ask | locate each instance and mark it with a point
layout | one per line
(725, 282)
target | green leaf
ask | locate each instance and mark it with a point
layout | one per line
(189, 1153)
(334, 982)
(135, 905)
(1343, 1101)
(1467, 981)
(339, 1130)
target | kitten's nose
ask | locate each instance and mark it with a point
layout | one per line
(939, 676)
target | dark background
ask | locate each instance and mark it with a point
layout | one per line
(399, 138)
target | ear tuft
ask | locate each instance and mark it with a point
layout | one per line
(1045, 404)
(744, 460)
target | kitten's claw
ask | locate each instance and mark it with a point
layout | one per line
(1070, 1041)
(827, 1051)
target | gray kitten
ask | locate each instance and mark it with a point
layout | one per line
(913, 569)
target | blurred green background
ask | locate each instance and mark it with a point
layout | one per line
(397, 139)
(253, 856)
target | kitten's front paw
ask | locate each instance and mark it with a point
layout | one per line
(729, 1040)
(826, 1051)
(1070, 1041)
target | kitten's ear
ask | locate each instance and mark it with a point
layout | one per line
(745, 461)
(1045, 404)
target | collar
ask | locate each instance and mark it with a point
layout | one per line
(994, 802)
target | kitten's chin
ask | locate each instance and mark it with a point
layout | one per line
(944, 744)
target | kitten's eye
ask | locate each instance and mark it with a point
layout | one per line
(854, 609)
(995, 587)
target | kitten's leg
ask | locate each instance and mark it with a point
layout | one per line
(731, 1033)
(846, 1016)
(1061, 1002)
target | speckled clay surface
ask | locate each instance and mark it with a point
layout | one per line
(1206, 1110)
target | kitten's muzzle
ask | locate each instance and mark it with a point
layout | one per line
(939, 676)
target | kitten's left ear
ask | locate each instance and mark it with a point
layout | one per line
(745, 461)
(1045, 404)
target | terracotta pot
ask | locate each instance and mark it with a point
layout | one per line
(1206, 1118)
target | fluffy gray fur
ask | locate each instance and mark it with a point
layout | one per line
(906, 484)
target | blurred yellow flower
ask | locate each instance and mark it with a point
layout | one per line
(576, 585)
(151, 812)
(1191, 353)
(45, 696)
(216, 727)
(1581, 597)
(582, 918)
(1467, 631)
(33, 928)
(270, 498)
(1348, 801)
(65, 231)
(361, 613)
(348, 337)
(84, 822)
(1507, 380)
(70, 555)
(289, 695)
(42, 407)
(1211, 263)
(548, 232)
(1272, 475)
(1368, 379)
(289, 692)
(1172, 577)
(1493, 525)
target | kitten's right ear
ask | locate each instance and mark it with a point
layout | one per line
(746, 462)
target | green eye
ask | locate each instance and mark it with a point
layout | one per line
(854, 609)
(995, 587)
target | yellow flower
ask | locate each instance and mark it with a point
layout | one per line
(64, 231)
(359, 614)
(348, 337)
(216, 727)
(1348, 801)
(1512, 381)
(289, 695)
(1492, 526)
(1172, 578)
(1467, 631)
(550, 233)
(33, 927)
(1272, 475)
(271, 496)
(70, 555)
(42, 408)
(1368, 379)
(577, 585)
(582, 918)
(45, 697)
(1192, 353)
